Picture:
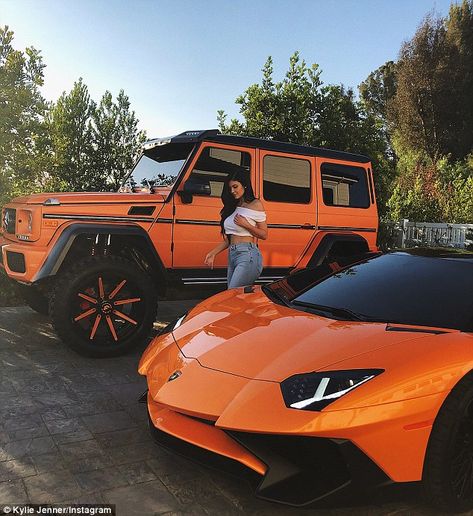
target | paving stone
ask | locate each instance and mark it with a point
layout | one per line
(88, 498)
(100, 480)
(41, 445)
(64, 425)
(172, 469)
(90, 464)
(14, 449)
(138, 412)
(91, 408)
(132, 453)
(123, 437)
(53, 413)
(129, 393)
(71, 437)
(13, 491)
(18, 406)
(137, 472)
(38, 385)
(52, 487)
(14, 422)
(26, 433)
(7, 387)
(54, 399)
(14, 469)
(153, 498)
(108, 421)
(80, 450)
(52, 461)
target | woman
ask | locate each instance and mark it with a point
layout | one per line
(243, 220)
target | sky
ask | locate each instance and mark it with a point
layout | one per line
(180, 61)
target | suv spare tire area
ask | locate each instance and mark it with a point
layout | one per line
(103, 306)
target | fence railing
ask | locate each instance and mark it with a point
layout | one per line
(406, 233)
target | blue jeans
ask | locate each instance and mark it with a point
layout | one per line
(245, 264)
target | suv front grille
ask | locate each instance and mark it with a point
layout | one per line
(9, 220)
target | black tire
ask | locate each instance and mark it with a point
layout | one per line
(88, 310)
(34, 298)
(448, 466)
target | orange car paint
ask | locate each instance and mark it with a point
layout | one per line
(389, 418)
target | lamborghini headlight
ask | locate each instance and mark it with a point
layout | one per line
(314, 391)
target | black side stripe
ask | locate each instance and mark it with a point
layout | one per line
(347, 228)
(97, 217)
(198, 222)
(292, 226)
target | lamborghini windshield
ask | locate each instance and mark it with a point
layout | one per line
(401, 287)
(158, 166)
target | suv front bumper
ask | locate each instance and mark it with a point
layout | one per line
(20, 261)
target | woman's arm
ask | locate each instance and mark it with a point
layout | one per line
(259, 231)
(209, 259)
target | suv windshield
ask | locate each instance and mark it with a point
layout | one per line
(395, 287)
(159, 166)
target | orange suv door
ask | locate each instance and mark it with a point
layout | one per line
(197, 223)
(288, 192)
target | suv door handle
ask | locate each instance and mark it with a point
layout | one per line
(307, 226)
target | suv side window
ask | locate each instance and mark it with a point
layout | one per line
(344, 186)
(213, 167)
(286, 179)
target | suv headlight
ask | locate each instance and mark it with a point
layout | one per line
(314, 391)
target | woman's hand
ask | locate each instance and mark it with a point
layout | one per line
(241, 221)
(209, 259)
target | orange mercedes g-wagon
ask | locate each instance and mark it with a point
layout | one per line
(97, 262)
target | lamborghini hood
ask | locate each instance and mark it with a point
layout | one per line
(250, 336)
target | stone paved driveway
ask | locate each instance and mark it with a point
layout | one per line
(71, 430)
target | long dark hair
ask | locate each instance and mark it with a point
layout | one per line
(229, 202)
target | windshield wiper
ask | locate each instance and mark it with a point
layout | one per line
(274, 296)
(347, 314)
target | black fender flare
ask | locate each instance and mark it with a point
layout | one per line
(327, 243)
(70, 233)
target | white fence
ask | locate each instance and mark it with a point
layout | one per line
(434, 234)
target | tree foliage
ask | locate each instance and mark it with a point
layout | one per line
(424, 112)
(70, 132)
(116, 140)
(72, 144)
(301, 109)
(429, 119)
(22, 110)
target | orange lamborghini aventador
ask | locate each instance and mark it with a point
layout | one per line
(330, 377)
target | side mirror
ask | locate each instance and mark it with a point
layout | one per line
(197, 188)
(191, 188)
(186, 197)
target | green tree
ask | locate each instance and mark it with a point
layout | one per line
(300, 109)
(377, 90)
(116, 140)
(285, 111)
(22, 109)
(459, 25)
(70, 133)
(425, 108)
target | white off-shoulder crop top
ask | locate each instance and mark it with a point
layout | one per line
(253, 216)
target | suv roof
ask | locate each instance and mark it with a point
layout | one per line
(214, 135)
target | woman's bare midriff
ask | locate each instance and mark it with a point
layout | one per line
(235, 239)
